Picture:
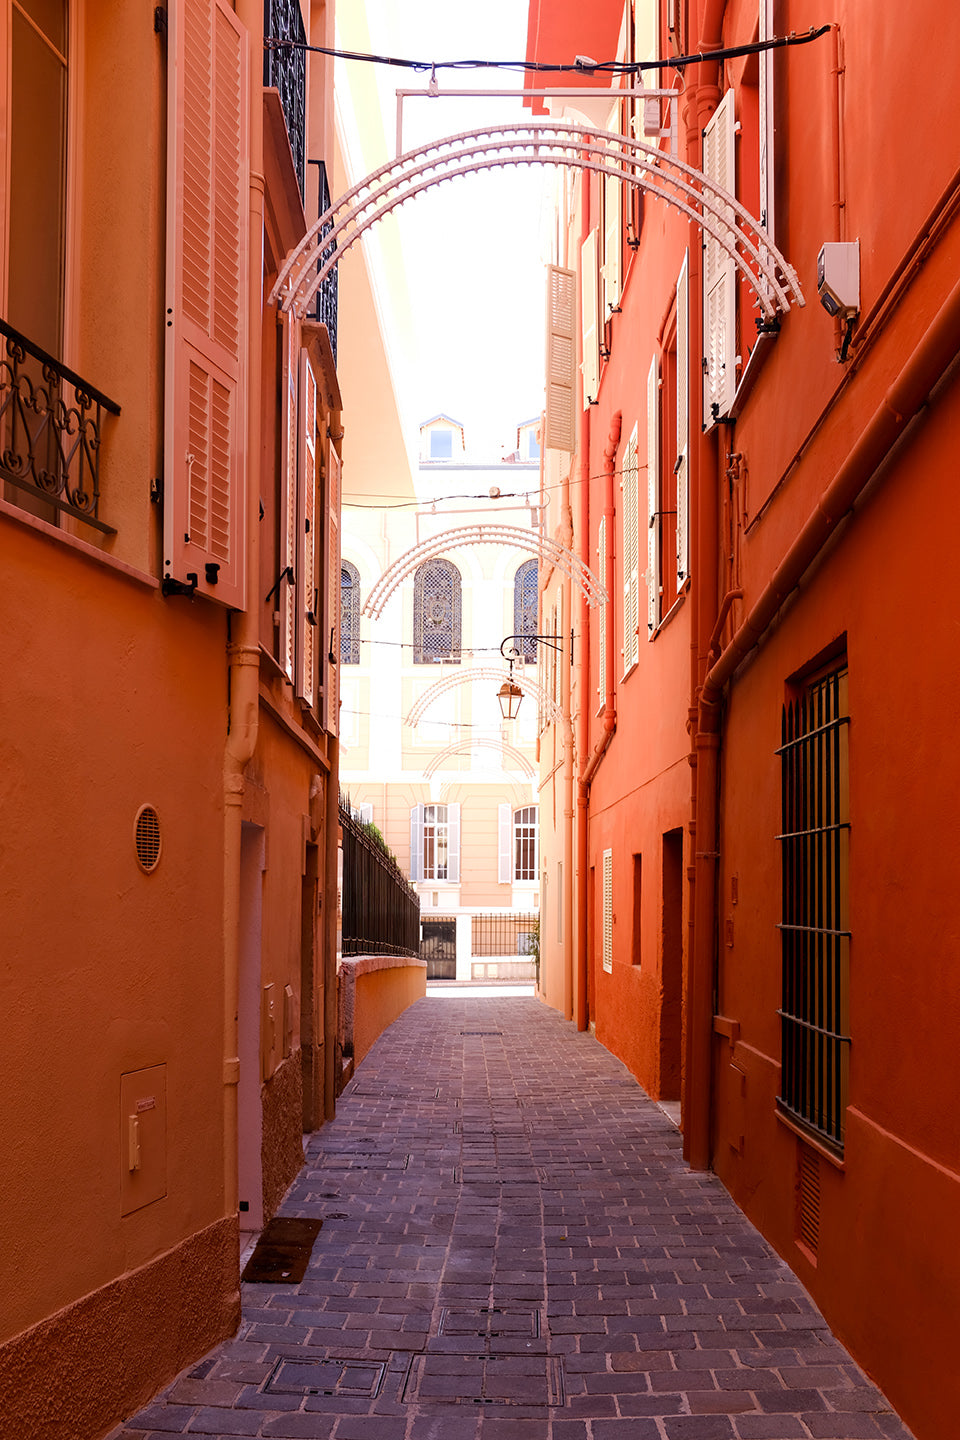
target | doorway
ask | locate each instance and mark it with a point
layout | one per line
(438, 946)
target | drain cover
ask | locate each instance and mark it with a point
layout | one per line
(282, 1253)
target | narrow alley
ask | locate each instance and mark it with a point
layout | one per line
(512, 1248)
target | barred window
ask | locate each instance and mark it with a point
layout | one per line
(349, 614)
(814, 931)
(436, 613)
(525, 860)
(525, 608)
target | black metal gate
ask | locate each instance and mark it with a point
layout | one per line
(438, 946)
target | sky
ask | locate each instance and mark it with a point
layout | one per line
(472, 246)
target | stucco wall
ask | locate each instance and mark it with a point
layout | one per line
(374, 991)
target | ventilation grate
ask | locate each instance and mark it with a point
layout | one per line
(808, 1218)
(147, 838)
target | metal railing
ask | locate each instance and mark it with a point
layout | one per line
(50, 428)
(285, 69)
(324, 306)
(503, 935)
(380, 908)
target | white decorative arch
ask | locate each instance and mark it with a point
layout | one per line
(461, 747)
(541, 142)
(489, 674)
(492, 534)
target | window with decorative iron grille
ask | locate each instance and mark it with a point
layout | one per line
(436, 613)
(814, 929)
(525, 608)
(349, 614)
(525, 862)
(284, 68)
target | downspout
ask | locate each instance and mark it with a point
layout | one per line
(575, 957)
(330, 908)
(243, 651)
(698, 1057)
(610, 700)
(566, 702)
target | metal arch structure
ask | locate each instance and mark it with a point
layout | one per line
(489, 674)
(460, 747)
(542, 142)
(469, 535)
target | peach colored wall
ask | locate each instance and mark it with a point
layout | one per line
(374, 991)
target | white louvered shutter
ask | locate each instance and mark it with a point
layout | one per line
(504, 844)
(602, 612)
(683, 424)
(306, 564)
(453, 843)
(416, 843)
(719, 274)
(631, 554)
(560, 432)
(767, 208)
(612, 244)
(206, 305)
(588, 318)
(653, 497)
(330, 638)
(608, 910)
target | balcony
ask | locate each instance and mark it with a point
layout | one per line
(285, 70)
(325, 302)
(50, 429)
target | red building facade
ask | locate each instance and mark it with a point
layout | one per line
(764, 916)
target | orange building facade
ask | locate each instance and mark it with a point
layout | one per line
(761, 913)
(169, 541)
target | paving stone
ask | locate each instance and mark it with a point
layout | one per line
(521, 1188)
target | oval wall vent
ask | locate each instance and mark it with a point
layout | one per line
(147, 834)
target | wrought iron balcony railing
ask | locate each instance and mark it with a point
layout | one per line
(325, 305)
(50, 428)
(285, 68)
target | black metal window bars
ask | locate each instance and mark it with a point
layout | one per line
(50, 429)
(814, 930)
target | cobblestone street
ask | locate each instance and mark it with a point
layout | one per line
(513, 1249)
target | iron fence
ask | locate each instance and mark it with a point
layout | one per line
(50, 429)
(503, 935)
(380, 912)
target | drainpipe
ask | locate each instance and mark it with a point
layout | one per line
(243, 652)
(566, 702)
(697, 1069)
(331, 819)
(910, 391)
(609, 708)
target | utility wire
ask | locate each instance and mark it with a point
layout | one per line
(583, 65)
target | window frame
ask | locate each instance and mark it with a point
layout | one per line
(456, 616)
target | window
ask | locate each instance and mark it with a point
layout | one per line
(518, 844)
(349, 614)
(436, 613)
(525, 607)
(607, 901)
(441, 445)
(814, 929)
(668, 471)
(719, 274)
(435, 843)
(630, 521)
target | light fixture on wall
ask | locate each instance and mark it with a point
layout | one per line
(510, 695)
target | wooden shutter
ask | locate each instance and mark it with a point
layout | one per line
(631, 554)
(719, 274)
(453, 843)
(612, 244)
(602, 613)
(683, 424)
(608, 910)
(653, 496)
(504, 844)
(207, 261)
(307, 599)
(766, 57)
(331, 631)
(416, 843)
(588, 319)
(289, 463)
(561, 373)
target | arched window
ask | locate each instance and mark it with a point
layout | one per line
(436, 613)
(349, 614)
(525, 588)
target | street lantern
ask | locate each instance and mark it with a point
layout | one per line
(509, 696)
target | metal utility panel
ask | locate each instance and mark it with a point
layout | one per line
(143, 1137)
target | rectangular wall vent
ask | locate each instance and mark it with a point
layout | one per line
(808, 1192)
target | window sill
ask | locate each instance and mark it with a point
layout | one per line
(811, 1138)
(674, 608)
(82, 548)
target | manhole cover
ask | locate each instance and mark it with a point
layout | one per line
(325, 1377)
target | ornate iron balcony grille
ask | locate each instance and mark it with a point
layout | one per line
(285, 69)
(50, 429)
(325, 305)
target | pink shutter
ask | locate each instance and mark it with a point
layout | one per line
(332, 628)
(308, 601)
(288, 514)
(207, 202)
